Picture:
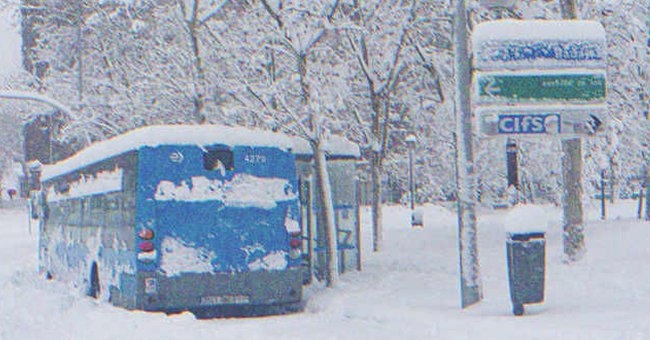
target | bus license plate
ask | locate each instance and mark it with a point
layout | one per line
(225, 300)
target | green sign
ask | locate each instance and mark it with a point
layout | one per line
(518, 88)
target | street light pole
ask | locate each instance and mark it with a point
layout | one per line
(410, 143)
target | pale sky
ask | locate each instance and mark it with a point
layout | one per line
(9, 42)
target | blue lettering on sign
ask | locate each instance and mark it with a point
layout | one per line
(513, 51)
(529, 123)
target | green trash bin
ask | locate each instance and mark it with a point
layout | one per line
(526, 268)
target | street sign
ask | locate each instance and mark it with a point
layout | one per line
(582, 87)
(539, 44)
(542, 121)
(528, 123)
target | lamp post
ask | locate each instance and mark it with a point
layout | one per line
(511, 160)
(410, 143)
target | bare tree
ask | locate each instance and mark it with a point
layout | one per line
(299, 47)
(378, 54)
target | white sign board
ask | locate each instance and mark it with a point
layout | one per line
(542, 120)
(539, 44)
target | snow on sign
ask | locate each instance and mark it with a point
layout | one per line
(540, 87)
(546, 44)
(542, 120)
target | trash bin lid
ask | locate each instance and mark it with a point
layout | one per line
(526, 236)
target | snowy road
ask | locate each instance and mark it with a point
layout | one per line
(409, 291)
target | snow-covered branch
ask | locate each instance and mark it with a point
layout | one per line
(22, 95)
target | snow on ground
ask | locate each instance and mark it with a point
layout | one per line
(408, 291)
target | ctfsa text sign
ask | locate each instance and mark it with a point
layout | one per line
(539, 120)
(529, 123)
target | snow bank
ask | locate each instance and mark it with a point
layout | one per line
(398, 217)
(408, 290)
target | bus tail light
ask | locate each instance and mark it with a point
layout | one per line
(146, 246)
(295, 243)
(146, 234)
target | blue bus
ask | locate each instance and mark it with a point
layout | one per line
(173, 218)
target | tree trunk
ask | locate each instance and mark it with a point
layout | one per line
(639, 209)
(377, 232)
(568, 9)
(572, 176)
(80, 51)
(572, 199)
(199, 79)
(325, 192)
(32, 15)
(471, 286)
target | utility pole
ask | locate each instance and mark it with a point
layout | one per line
(646, 167)
(603, 213)
(573, 221)
(470, 279)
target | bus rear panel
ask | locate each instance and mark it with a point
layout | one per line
(216, 229)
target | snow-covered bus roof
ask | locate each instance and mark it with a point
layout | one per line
(202, 135)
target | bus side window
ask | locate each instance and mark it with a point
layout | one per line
(219, 158)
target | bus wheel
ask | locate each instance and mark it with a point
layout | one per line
(94, 288)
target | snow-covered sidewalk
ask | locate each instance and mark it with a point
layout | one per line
(408, 291)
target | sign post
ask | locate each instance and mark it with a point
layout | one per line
(544, 78)
(471, 287)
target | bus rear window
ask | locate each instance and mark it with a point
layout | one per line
(219, 158)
